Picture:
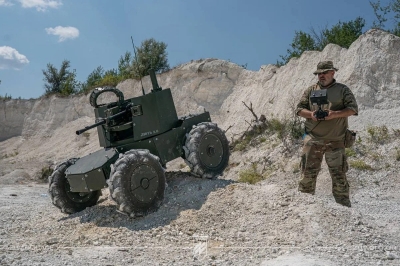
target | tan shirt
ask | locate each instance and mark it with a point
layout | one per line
(339, 98)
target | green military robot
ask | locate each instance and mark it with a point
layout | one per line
(139, 136)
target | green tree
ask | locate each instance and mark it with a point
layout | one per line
(150, 55)
(342, 34)
(110, 78)
(5, 97)
(124, 66)
(60, 81)
(301, 42)
(100, 78)
(381, 13)
(95, 77)
(70, 85)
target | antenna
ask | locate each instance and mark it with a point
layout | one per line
(137, 66)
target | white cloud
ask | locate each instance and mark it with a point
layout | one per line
(11, 58)
(5, 3)
(40, 5)
(63, 33)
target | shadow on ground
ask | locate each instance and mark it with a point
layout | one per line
(183, 192)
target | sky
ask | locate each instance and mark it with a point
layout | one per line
(92, 33)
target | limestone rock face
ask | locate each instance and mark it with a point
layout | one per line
(12, 117)
(370, 67)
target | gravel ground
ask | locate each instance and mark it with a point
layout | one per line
(210, 222)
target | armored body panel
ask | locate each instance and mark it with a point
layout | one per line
(89, 173)
(150, 114)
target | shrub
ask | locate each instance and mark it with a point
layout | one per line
(287, 131)
(250, 175)
(244, 141)
(45, 173)
(277, 126)
(378, 134)
(296, 128)
(5, 97)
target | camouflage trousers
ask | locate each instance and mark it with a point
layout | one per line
(335, 158)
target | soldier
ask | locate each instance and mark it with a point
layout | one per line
(326, 136)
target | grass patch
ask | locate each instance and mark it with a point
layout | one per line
(360, 165)
(250, 175)
(350, 152)
(241, 145)
(277, 126)
(378, 134)
(9, 155)
(292, 128)
(45, 173)
(248, 138)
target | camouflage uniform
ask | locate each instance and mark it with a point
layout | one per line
(326, 137)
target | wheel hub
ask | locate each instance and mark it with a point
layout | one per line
(144, 183)
(211, 150)
(77, 196)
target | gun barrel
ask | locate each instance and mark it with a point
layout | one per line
(104, 121)
(154, 80)
(80, 131)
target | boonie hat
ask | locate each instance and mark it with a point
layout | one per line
(325, 66)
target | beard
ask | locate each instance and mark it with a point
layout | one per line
(324, 82)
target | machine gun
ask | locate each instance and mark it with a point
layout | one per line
(319, 97)
(126, 109)
(104, 121)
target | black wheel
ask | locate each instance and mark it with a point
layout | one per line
(137, 182)
(61, 196)
(206, 150)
